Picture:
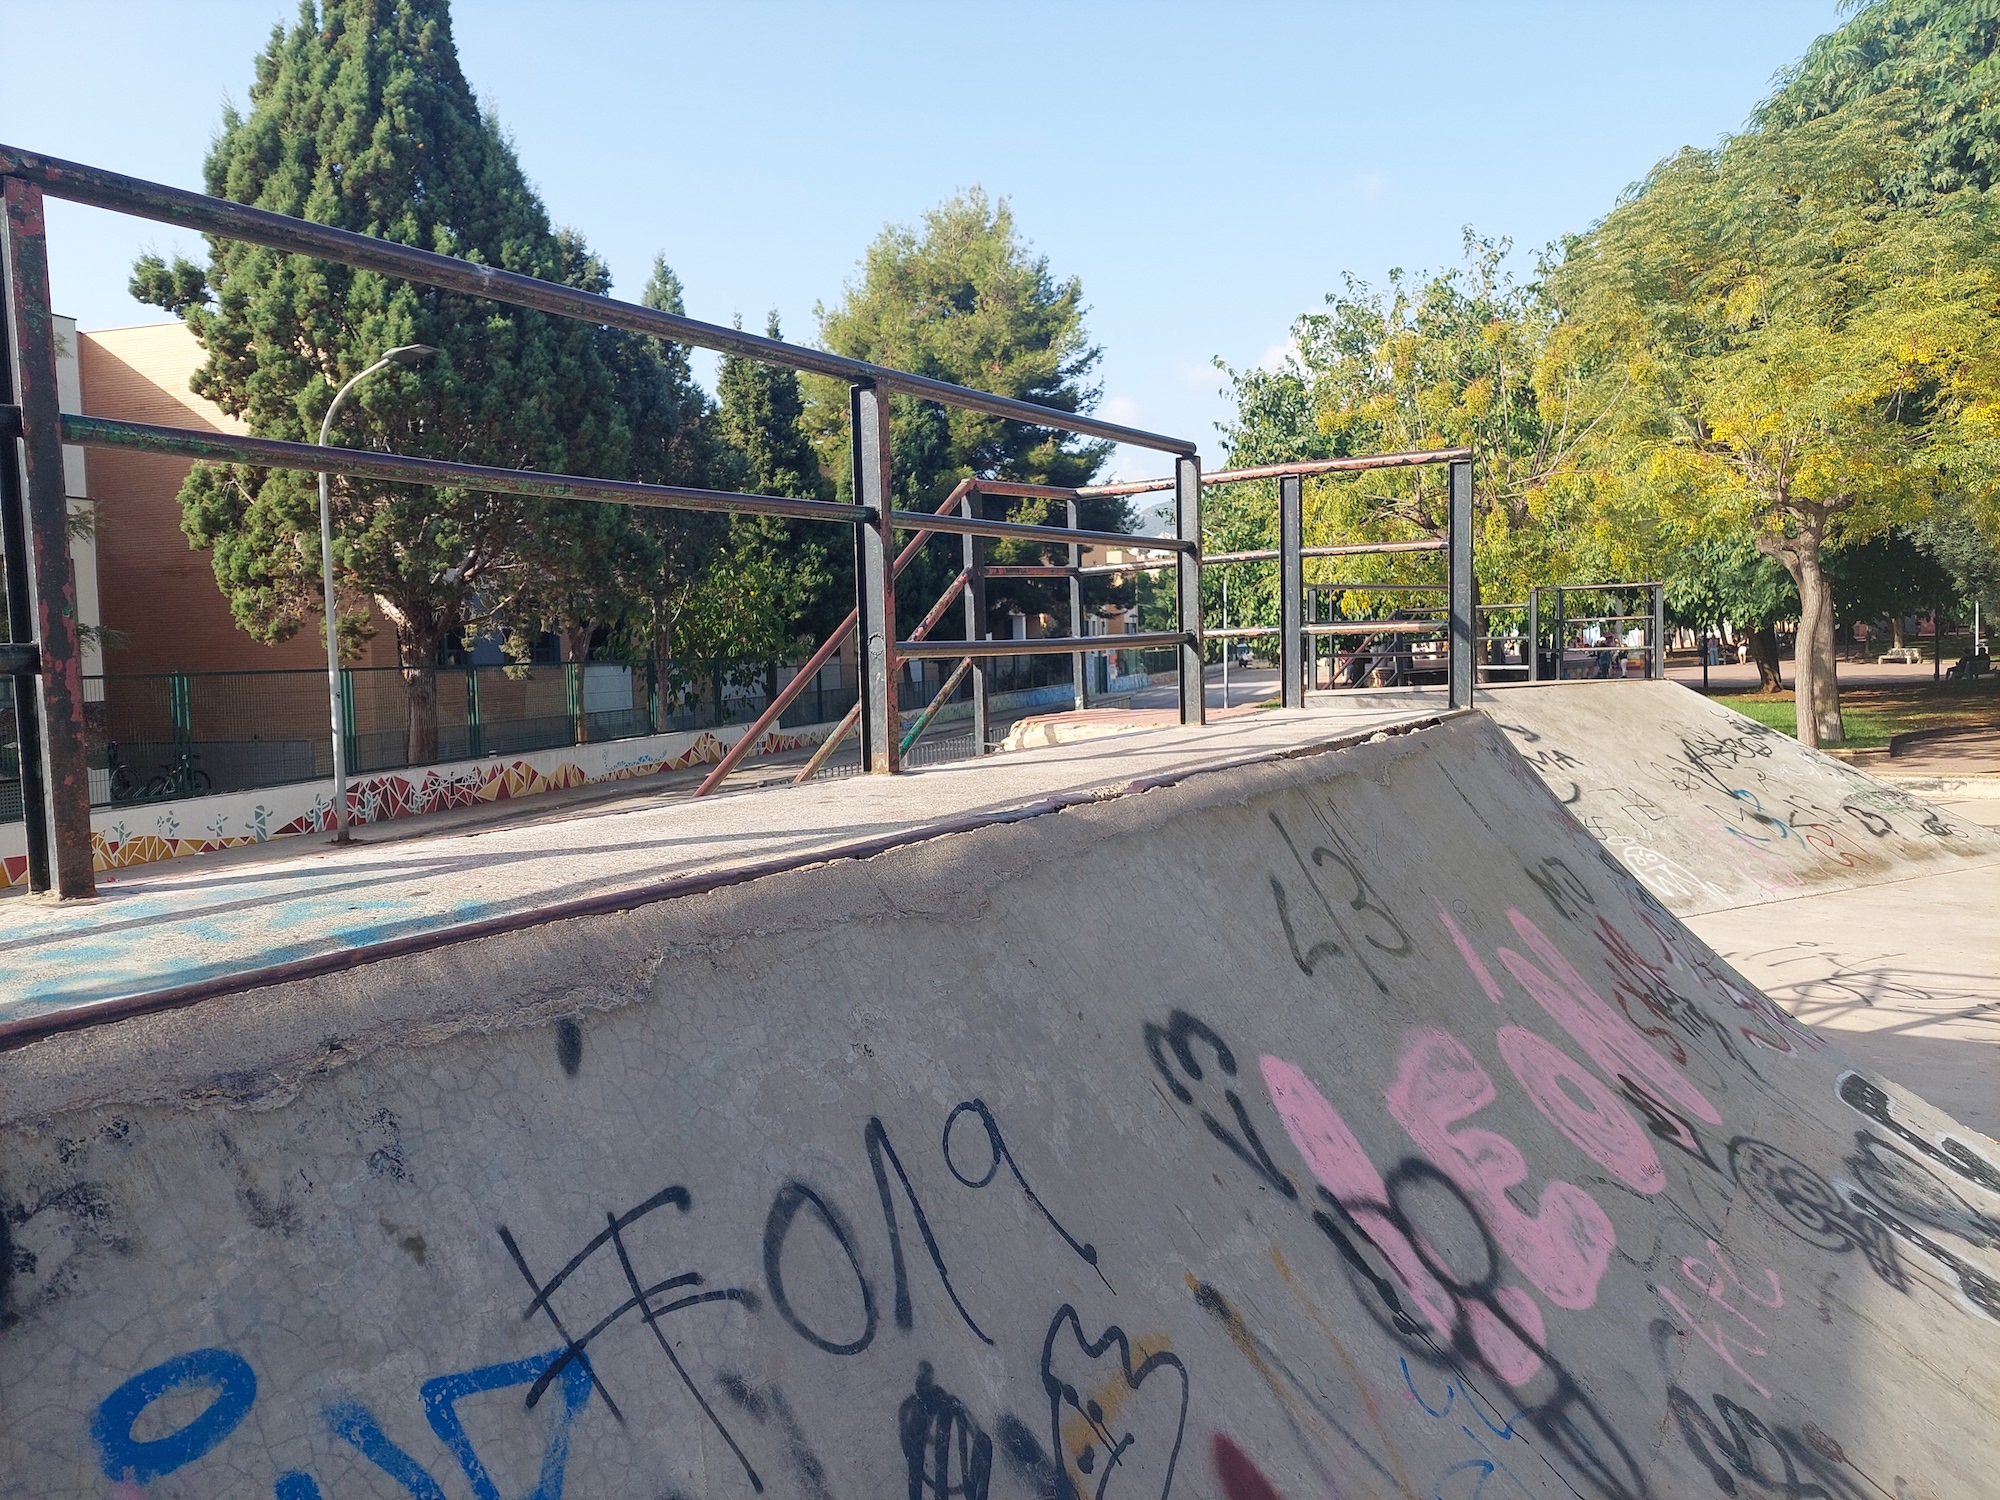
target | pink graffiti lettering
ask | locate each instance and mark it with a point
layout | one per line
(1726, 1277)
(1712, 1335)
(1606, 1037)
(1582, 1108)
(1339, 1164)
(1564, 1247)
(1472, 959)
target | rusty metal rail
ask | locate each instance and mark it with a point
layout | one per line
(218, 216)
(44, 652)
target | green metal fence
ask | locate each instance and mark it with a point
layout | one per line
(189, 733)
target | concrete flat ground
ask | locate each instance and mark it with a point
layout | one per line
(194, 926)
(1904, 976)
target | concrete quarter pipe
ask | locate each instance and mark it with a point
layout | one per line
(1351, 1125)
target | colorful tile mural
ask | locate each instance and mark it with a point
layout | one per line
(137, 834)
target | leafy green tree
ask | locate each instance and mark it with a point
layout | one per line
(1718, 581)
(783, 565)
(1800, 358)
(1942, 54)
(1467, 357)
(967, 301)
(360, 117)
(1887, 577)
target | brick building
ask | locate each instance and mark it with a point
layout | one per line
(155, 596)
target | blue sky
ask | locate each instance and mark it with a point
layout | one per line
(1209, 171)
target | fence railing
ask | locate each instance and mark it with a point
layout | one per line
(157, 737)
(42, 654)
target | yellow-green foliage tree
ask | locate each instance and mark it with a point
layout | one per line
(1467, 358)
(1788, 352)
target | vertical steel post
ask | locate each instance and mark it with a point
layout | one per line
(874, 578)
(1562, 630)
(1462, 626)
(1187, 577)
(1291, 590)
(974, 555)
(41, 594)
(1659, 662)
(475, 740)
(1080, 689)
(1535, 634)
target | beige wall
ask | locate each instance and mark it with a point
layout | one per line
(156, 592)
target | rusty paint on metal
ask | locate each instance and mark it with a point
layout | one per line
(51, 580)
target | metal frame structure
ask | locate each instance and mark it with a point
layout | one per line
(1655, 618)
(42, 654)
(1294, 631)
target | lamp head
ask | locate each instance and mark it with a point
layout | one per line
(410, 355)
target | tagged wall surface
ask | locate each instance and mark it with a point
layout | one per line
(1711, 810)
(1347, 1125)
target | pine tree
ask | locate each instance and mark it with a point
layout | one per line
(360, 117)
(969, 302)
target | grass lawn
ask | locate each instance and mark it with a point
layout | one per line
(1872, 714)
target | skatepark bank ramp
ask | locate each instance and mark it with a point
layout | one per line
(1342, 1125)
(1712, 810)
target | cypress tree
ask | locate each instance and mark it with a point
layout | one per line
(360, 117)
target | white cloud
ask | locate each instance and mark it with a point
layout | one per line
(1275, 358)
(1121, 409)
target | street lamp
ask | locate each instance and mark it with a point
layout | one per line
(406, 356)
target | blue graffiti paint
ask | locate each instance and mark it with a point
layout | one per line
(353, 1423)
(142, 1461)
(1490, 1463)
(442, 1395)
(292, 1485)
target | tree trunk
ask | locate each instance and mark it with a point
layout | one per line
(419, 634)
(1813, 665)
(1816, 670)
(1763, 642)
(1896, 629)
(420, 690)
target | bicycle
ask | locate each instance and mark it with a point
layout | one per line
(186, 778)
(123, 787)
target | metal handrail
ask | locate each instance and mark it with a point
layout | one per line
(1304, 468)
(258, 226)
(1047, 645)
(361, 463)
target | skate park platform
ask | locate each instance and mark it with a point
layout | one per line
(1295, 1108)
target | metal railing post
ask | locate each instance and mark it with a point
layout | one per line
(41, 592)
(1535, 633)
(1462, 625)
(1659, 663)
(1187, 576)
(974, 553)
(1562, 629)
(475, 741)
(1291, 588)
(1080, 689)
(874, 577)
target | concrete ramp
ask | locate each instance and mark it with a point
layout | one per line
(1343, 1125)
(1714, 811)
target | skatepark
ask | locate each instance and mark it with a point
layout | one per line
(1366, 1095)
(1323, 1101)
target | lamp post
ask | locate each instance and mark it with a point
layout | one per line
(406, 356)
